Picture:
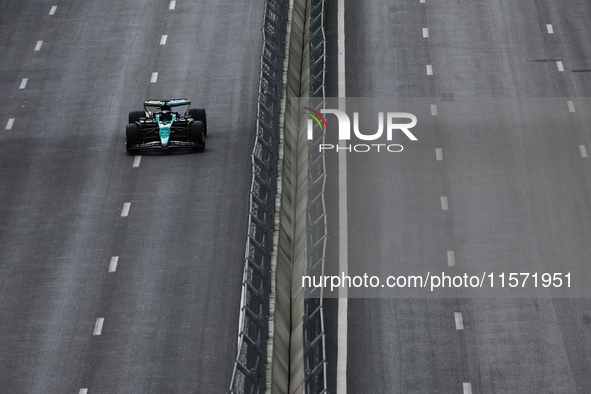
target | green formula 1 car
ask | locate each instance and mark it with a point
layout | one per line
(160, 126)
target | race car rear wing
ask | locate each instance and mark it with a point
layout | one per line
(170, 103)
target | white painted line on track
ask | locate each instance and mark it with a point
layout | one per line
(113, 264)
(52, 10)
(23, 83)
(422, 1)
(83, 391)
(550, 29)
(468, 388)
(172, 5)
(38, 46)
(136, 161)
(459, 320)
(583, 150)
(429, 69)
(434, 109)
(154, 77)
(425, 32)
(560, 66)
(98, 326)
(163, 39)
(571, 106)
(342, 322)
(444, 204)
(451, 258)
(9, 124)
(439, 154)
(125, 210)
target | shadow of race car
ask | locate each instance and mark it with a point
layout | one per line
(158, 126)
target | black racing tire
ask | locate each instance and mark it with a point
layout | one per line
(197, 134)
(133, 135)
(134, 116)
(199, 114)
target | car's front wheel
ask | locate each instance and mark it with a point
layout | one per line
(133, 136)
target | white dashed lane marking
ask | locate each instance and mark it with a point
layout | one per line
(154, 77)
(113, 264)
(468, 388)
(451, 258)
(550, 29)
(459, 320)
(98, 326)
(571, 106)
(444, 204)
(172, 5)
(83, 391)
(429, 69)
(38, 46)
(163, 39)
(52, 10)
(23, 83)
(583, 150)
(434, 109)
(136, 160)
(439, 154)
(125, 210)
(425, 32)
(559, 66)
(10, 123)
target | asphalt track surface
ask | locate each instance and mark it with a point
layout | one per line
(511, 197)
(169, 308)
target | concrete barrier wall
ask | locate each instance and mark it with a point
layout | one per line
(285, 364)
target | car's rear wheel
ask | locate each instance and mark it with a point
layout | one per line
(133, 135)
(199, 114)
(197, 133)
(134, 116)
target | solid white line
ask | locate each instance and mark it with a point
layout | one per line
(341, 48)
(459, 320)
(451, 258)
(439, 154)
(38, 46)
(125, 210)
(136, 160)
(172, 5)
(342, 322)
(98, 326)
(83, 391)
(113, 264)
(52, 11)
(23, 83)
(444, 205)
(550, 29)
(434, 109)
(429, 69)
(10, 123)
(560, 66)
(163, 39)
(467, 388)
(571, 106)
(425, 32)
(154, 77)
(583, 150)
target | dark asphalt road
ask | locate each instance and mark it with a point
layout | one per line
(170, 309)
(515, 196)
